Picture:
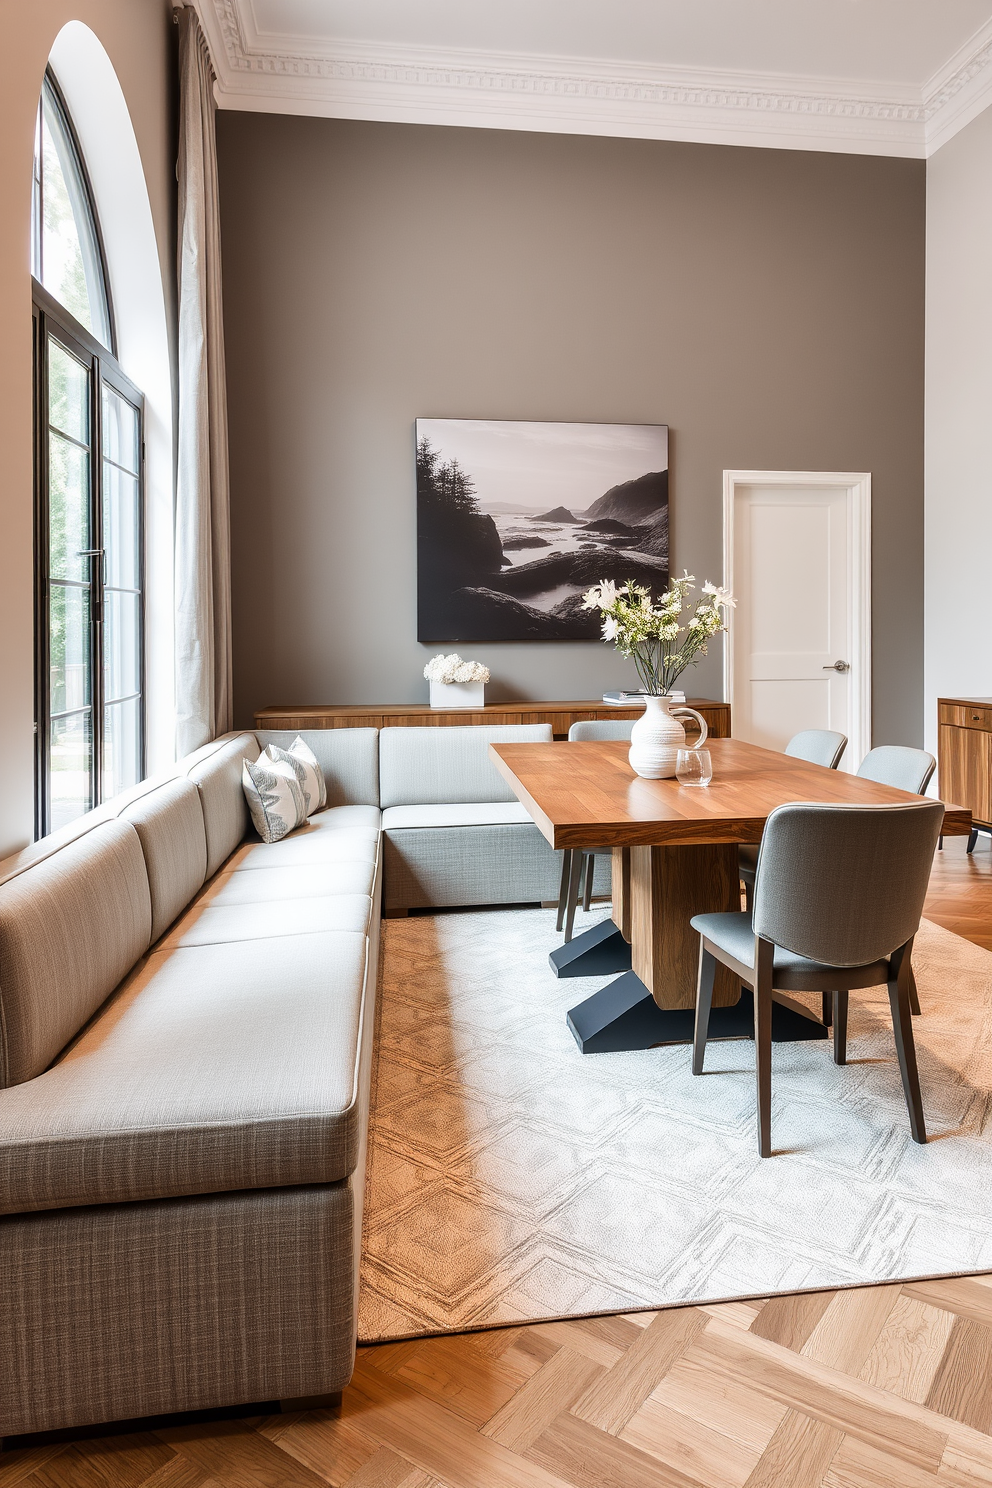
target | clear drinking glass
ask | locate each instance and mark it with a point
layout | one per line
(694, 767)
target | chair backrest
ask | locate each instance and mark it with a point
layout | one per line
(441, 765)
(601, 728)
(896, 765)
(817, 747)
(845, 884)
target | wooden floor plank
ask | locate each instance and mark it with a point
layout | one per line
(958, 1294)
(683, 1443)
(848, 1330)
(463, 1379)
(612, 1400)
(962, 1387)
(332, 1448)
(589, 1458)
(553, 1389)
(745, 1415)
(907, 1353)
(900, 1427)
(799, 1453)
(234, 1454)
(790, 1320)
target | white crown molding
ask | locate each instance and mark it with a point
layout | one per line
(406, 84)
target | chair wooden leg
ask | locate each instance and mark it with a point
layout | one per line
(902, 1027)
(704, 1001)
(763, 1041)
(566, 863)
(574, 872)
(840, 1027)
(827, 999)
(972, 839)
(590, 870)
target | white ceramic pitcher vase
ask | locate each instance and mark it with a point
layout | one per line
(657, 737)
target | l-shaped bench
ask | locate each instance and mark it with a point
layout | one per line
(186, 1038)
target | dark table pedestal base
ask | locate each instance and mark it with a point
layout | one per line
(625, 1016)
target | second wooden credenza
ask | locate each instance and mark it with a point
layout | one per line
(965, 756)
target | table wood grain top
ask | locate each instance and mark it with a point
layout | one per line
(586, 794)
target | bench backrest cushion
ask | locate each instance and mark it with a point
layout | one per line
(215, 770)
(348, 757)
(71, 927)
(169, 824)
(433, 766)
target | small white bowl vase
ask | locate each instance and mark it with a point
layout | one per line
(657, 737)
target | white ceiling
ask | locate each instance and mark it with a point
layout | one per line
(896, 77)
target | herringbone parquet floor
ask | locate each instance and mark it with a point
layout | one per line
(880, 1387)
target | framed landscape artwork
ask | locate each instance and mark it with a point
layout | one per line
(515, 521)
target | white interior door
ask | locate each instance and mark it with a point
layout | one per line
(798, 654)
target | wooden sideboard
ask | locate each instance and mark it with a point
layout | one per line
(560, 715)
(965, 754)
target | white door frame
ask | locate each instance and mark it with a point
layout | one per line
(858, 487)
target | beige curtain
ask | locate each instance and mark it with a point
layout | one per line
(204, 705)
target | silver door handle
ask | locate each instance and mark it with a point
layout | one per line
(838, 666)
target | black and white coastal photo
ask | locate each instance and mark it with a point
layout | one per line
(516, 520)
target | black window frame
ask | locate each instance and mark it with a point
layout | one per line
(53, 321)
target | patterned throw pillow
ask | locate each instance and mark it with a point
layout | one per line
(274, 797)
(308, 772)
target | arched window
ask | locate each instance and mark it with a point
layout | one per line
(88, 417)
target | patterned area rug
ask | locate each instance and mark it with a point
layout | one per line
(513, 1179)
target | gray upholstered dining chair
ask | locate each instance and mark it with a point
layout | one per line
(897, 765)
(578, 866)
(837, 901)
(815, 746)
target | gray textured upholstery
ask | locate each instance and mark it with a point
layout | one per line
(169, 824)
(601, 728)
(71, 927)
(217, 1067)
(433, 766)
(476, 814)
(844, 884)
(206, 924)
(304, 847)
(897, 765)
(132, 1310)
(818, 747)
(349, 758)
(347, 877)
(215, 770)
(467, 865)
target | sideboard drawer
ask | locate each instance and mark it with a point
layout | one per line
(966, 717)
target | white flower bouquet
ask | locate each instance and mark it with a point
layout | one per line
(451, 668)
(651, 634)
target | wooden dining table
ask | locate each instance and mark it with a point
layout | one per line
(674, 851)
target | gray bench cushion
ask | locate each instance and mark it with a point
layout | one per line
(215, 1068)
(303, 847)
(206, 924)
(465, 814)
(215, 770)
(349, 758)
(365, 819)
(71, 927)
(309, 882)
(169, 822)
(438, 766)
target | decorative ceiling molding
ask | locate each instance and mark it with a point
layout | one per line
(407, 84)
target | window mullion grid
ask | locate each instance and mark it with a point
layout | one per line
(98, 600)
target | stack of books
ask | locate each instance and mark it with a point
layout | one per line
(631, 699)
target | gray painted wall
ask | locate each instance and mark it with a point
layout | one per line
(767, 305)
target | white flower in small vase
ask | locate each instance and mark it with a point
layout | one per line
(456, 683)
(649, 632)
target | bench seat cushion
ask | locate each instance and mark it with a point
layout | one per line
(215, 1068)
(205, 924)
(303, 848)
(313, 882)
(351, 818)
(484, 814)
